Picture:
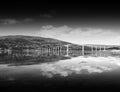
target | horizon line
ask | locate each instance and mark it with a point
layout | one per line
(58, 39)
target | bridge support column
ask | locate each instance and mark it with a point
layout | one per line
(100, 48)
(67, 49)
(96, 48)
(104, 48)
(83, 49)
(92, 48)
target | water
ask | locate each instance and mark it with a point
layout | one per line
(57, 70)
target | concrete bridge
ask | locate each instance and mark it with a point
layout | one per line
(71, 48)
(92, 47)
(82, 48)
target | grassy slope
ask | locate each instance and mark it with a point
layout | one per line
(31, 41)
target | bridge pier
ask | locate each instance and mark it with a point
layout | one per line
(104, 48)
(96, 48)
(67, 50)
(83, 50)
(92, 48)
(100, 48)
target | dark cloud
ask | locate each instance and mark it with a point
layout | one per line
(8, 21)
(15, 21)
(46, 16)
(28, 20)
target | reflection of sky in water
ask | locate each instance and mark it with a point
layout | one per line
(80, 65)
(77, 65)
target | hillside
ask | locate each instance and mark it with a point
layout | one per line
(20, 41)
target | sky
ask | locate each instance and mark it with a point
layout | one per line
(76, 23)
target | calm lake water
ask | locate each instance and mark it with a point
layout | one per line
(59, 69)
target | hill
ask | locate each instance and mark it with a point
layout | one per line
(20, 41)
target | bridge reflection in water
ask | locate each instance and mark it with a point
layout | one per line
(72, 51)
(52, 54)
(39, 65)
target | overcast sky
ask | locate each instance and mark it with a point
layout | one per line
(80, 25)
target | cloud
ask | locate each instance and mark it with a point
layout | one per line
(75, 66)
(80, 35)
(8, 21)
(28, 20)
(45, 16)
(15, 21)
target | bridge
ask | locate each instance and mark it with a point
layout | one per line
(92, 47)
(67, 49)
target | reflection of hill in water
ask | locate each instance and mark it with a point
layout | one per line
(31, 57)
(28, 57)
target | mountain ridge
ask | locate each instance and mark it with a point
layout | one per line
(16, 41)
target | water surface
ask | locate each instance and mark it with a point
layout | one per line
(56, 69)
